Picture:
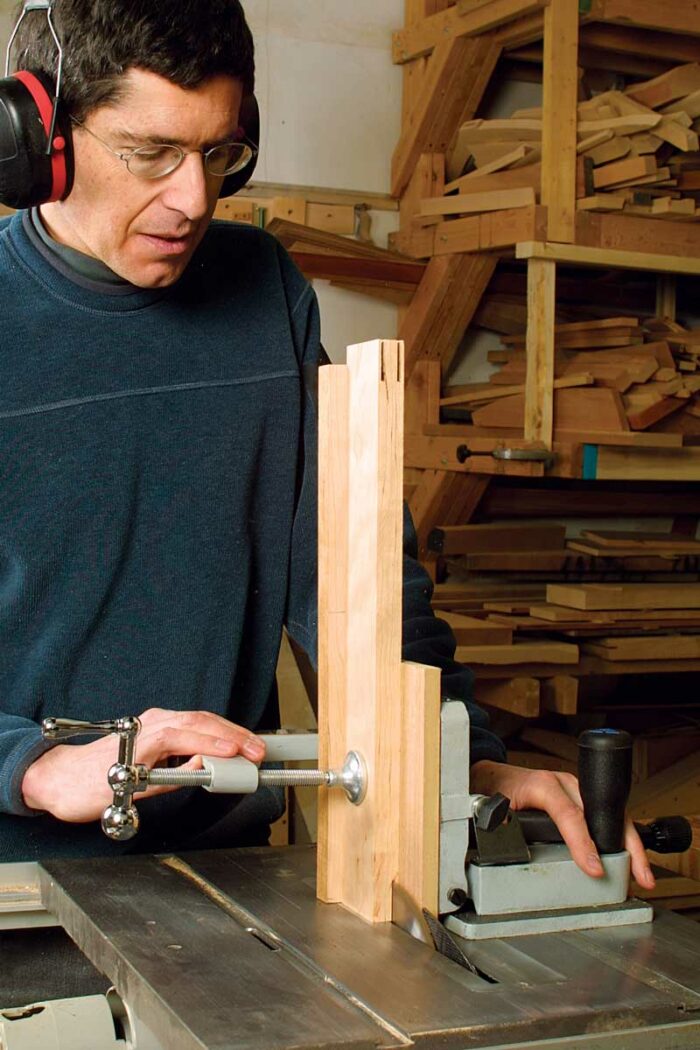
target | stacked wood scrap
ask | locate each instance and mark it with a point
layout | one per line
(536, 550)
(639, 153)
(530, 654)
(613, 374)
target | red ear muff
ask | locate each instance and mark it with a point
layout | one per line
(29, 174)
(250, 127)
(44, 104)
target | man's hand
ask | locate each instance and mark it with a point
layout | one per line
(70, 781)
(558, 795)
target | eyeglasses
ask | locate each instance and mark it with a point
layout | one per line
(161, 159)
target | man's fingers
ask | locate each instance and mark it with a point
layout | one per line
(641, 871)
(164, 741)
(570, 821)
(554, 798)
(205, 723)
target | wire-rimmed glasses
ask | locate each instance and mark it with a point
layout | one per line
(161, 159)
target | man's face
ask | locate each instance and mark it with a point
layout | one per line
(146, 230)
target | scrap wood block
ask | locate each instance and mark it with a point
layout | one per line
(611, 331)
(469, 630)
(601, 202)
(464, 203)
(515, 178)
(505, 158)
(493, 391)
(680, 81)
(689, 104)
(585, 409)
(642, 418)
(617, 369)
(559, 694)
(673, 790)
(515, 561)
(623, 171)
(609, 617)
(467, 539)
(519, 653)
(594, 551)
(601, 596)
(649, 540)
(616, 148)
(661, 350)
(646, 647)
(520, 696)
(627, 125)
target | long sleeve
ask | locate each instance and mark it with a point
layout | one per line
(20, 745)
(426, 639)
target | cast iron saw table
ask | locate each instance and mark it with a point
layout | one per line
(231, 949)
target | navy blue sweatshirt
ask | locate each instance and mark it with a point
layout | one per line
(158, 512)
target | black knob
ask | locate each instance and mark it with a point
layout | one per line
(666, 835)
(491, 812)
(605, 778)
(463, 453)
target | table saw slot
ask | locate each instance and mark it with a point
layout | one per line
(265, 938)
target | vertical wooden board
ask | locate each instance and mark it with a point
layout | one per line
(333, 457)
(422, 396)
(539, 381)
(666, 296)
(560, 694)
(416, 885)
(443, 306)
(431, 123)
(334, 408)
(428, 180)
(559, 118)
(362, 841)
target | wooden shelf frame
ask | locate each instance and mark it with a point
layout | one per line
(463, 253)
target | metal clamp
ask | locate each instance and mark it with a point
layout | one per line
(120, 821)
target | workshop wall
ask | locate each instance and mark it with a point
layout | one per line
(331, 109)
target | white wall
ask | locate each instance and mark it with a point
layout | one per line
(331, 111)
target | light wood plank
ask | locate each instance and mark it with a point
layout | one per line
(519, 696)
(416, 884)
(559, 118)
(334, 436)
(539, 380)
(582, 255)
(625, 596)
(519, 653)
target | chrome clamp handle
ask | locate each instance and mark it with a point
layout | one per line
(120, 821)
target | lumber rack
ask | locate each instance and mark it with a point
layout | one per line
(449, 54)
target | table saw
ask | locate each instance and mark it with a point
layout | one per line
(431, 917)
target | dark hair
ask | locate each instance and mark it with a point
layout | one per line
(185, 41)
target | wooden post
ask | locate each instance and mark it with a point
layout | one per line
(539, 378)
(362, 855)
(559, 118)
(666, 296)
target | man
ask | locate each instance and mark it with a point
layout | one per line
(157, 442)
